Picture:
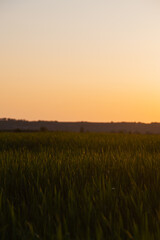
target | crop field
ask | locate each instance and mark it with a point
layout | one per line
(79, 186)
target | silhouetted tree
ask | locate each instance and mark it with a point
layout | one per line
(17, 130)
(43, 129)
(81, 129)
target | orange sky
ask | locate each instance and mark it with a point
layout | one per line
(82, 60)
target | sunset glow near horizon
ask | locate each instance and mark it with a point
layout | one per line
(82, 60)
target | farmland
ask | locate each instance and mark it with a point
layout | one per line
(79, 186)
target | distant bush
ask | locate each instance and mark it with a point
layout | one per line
(43, 129)
(17, 130)
(81, 129)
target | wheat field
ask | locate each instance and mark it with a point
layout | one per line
(79, 186)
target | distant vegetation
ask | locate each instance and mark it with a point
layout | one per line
(77, 186)
(110, 127)
(43, 129)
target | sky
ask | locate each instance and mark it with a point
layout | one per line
(83, 60)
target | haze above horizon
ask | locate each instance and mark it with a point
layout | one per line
(82, 60)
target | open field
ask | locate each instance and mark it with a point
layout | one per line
(79, 186)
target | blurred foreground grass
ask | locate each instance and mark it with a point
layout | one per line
(79, 186)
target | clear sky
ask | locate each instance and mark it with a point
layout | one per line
(80, 60)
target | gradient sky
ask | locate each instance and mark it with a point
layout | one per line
(83, 60)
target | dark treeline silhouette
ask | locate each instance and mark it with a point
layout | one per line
(7, 124)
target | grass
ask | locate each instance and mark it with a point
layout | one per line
(79, 186)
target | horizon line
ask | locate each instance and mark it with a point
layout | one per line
(79, 121)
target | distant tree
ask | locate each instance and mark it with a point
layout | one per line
(112, 131)
(3, 119)
(43, 129)
(17, 130)
(121, 131)
(137, 132)
(81, 129)
(148, 133)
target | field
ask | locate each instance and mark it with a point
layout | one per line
(79, 186)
